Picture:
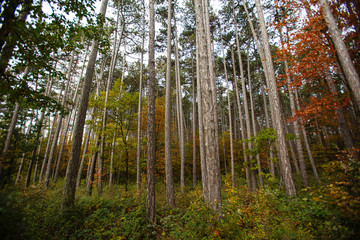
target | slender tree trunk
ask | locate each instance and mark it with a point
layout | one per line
(87, 141)
(104, 117)
(306, 142)
(180, 115)
(230, 117)
(296, 129)
(58, 128)
(92, 166)
(253, 120)
(194, 179)
(48, 145)
(138, 152)
(284, 162)
(247, 171)
(73, 164)
(351, 75)
(170, 197)
(151, 144)
(344, 130)
(223, 133)
(10, 133)
(111, 182)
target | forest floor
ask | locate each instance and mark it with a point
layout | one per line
(266, 214)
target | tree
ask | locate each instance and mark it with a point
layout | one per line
(73, 164)
(168, 162)
(285, 167)
(207, 112)
(352, 76)
(150, 186)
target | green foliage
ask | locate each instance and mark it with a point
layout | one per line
(266, 214)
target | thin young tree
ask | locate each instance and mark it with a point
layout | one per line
(138, 151)
(151, 144)
(170, 198)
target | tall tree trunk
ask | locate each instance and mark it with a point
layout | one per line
(351, 75)
(203, 160)
(284, 162)
(247, 170)
(194, 179)
(306, 142)
(254, 120)
(104, 116)
(87, 141)
(138, 152)
(206, 79)
(58, 128)
(151, 144)
(10, 133)
(111, 182)
(223, 133)
(230, 117)
(344, 130)
(300, 150)
(170, 197)
(73, 164)
(92, 166)
(22, 161)
(180, 114)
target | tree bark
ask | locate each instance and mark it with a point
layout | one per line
(351, 75)
(151, 144)
(230, 117)
(10, 133)
(247, 171)
(73, 164)
(206, 79)
(284, 162)
(170, 197)
(58, 128)
(180, 115)
(138, 152)
(194, 179)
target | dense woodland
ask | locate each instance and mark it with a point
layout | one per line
(189, 119)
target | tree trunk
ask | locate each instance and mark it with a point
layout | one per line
(138, 152)
(73, 164)
(180, 115)
(206, 81)
(170, 198)
(87, 140)
(230, 117)
(10, 133)
(104, 117)
(351, 75)
(58, 128)
(91, 169)
(284, 162)
(194, 179)
(111, 182)
(151, 144)
(254, 120)
(344, 130)
(300, 150)
(247, 171)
